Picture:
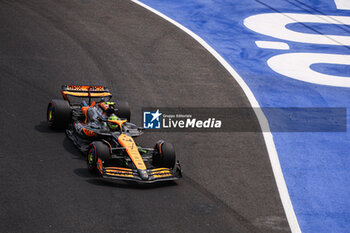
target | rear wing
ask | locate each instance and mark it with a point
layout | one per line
(85, 92)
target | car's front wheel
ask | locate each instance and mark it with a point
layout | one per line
(164, 155)
(97, 150)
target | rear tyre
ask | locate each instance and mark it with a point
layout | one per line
(59, 114)
(164, 155)
(97, 150)
(123, 110)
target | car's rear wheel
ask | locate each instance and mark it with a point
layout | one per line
(123, 110)
(164, 155)
(97, 150)
(59, 114)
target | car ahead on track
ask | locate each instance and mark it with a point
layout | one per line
(102, 130)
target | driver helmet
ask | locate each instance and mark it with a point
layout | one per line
(112, 125)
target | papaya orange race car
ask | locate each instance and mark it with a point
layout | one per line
(102, 130)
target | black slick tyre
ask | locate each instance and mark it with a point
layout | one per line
(164, 155)
(123, 110)
(97, 150)
(59, 114)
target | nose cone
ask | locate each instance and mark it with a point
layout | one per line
(143, 174)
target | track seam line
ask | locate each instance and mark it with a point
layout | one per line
(270, 145)
(342, 25)
(328, 19)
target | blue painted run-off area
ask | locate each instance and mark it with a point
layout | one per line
(315, 165)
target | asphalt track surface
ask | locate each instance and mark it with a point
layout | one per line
(228, 184)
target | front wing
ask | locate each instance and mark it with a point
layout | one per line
(127, 174)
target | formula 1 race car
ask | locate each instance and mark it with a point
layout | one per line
(102, 130)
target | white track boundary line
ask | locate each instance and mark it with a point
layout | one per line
(276, 167)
